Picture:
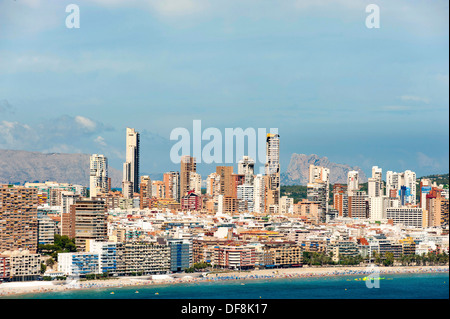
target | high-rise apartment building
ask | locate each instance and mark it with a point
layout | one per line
(259, 194)
(145, 192)
(245, 195)
(18, 218)
(352, 182)
(188, 166)
(213, 185)
(172, 185)
(424, 190)
(131, 165)
(317, 193)
(358, 206)
(340, 199)
(98, 179)
(437, 208)
(246, 167)
(375, 183)
(226, 180)
(320, 175)
(158, 189)
(273, 171)
(86, 219)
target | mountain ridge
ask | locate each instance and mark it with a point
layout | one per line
(19, 167)
(297, 172)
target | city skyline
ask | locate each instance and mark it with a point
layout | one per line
(310, 69)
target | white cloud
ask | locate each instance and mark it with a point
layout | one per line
(13, 134)
(414, 98)
(85, 122)
(74, 132)
(100, 140)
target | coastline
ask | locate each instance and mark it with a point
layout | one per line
(21, 288)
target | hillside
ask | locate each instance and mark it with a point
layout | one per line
(19, 167)
(298, 170)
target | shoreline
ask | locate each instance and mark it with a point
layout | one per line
(22, 288)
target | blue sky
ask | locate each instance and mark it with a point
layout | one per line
(310, 68)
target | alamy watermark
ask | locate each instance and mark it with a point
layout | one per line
(373, 19)
(73, 19)
(373, 279)
(227, 148)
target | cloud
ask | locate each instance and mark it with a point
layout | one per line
(100, 140)
(13, 134)
(85, 123)
(414, 98)
(58, 133)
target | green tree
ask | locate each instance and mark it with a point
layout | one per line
(389, 259)
(43, 268)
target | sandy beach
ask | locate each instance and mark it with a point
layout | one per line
(16, 288)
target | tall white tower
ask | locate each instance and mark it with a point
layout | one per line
(131, 165)
(98, 179)
(352, 182)
(273, 170)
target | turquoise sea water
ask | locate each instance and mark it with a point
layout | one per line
(398, 286)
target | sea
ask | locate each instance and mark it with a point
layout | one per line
(391, 286)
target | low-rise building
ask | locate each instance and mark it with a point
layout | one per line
(142, 258)
(78, 264)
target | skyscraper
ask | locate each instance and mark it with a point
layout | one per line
(340, 199)
(226, 180)
(145, 192)
(98, 180)
(86, 219)
(258, 194)
(188, 165)
(273, 171)
(352, 182)
(246, 167)
(131, 165)
(375, 183)
(321, 175)
(172, 182)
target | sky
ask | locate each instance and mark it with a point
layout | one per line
(309, 68)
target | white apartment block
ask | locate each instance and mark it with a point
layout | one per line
(78, 264)
(245, 195)
(107, 252)
(407, 216)
(376, 208)
(259, 193)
